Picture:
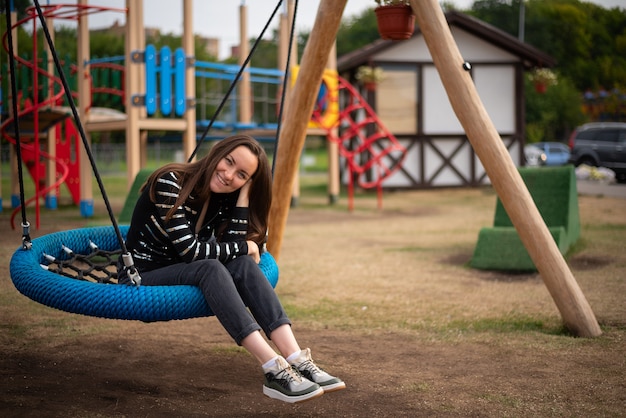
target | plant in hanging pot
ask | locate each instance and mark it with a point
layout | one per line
(395, 19)
(542, 78)
(369, 76)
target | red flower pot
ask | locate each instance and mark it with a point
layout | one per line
(395, 23)
(370, 85)
(540, 88)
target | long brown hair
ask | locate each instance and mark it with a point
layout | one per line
(194, 178)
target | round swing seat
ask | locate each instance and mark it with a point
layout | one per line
(113, 301)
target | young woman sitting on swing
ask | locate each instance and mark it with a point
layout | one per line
(204, 224)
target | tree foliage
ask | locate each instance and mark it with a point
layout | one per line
(589, 45)
(356, 32)
(505, 13)
(19, 6)
(587, 41)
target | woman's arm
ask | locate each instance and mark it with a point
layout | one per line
(179, 229)
(242, 202)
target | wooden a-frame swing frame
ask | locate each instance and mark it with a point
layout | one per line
(482, 134)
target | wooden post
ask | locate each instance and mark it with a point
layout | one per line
(333, 147)
(132, 86)
(245, 97)
(505, 178)
(15, 183)
(297, 115)
(189, 135)
(286, 20)
(142, 112)
(291, 8)
(84, 100)
(51, 169)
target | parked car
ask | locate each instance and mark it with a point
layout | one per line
(600, 144)
(546, 153)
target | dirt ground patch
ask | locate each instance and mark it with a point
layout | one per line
(384, 299)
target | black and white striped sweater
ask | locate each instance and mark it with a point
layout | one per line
(154, 243)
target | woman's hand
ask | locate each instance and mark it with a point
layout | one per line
(253, 251)
(244, 195)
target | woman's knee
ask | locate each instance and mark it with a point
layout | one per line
(205, 271)
(244, 267)
(206, 264)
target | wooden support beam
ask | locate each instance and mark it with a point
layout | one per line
(189, 133)
(84, 98)
(244, 87)
(506, 180)
(297, 115)
(132, 85)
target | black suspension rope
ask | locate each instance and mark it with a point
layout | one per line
(285, 84)
(26, 240)
(79, 126)
(234, 82)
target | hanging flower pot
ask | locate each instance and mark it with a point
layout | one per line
(369, 76)
(370, 85)
(542, 78)
(396, 21)
(540, 87)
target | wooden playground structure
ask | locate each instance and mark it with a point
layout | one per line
(506, 180)
(157, 84)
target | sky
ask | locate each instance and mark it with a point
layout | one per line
(220, 18)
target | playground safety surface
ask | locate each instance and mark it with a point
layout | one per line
(414, 331)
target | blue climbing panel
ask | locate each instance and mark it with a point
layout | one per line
(151, 77)
(179, 82)
(165, 81)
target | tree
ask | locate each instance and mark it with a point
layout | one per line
(19, 5)
(357, 32)
(589, 45)
(552, 115)
(588, 41)
(500, 13)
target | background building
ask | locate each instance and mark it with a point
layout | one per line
(414, 106)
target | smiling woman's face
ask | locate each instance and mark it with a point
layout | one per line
(233, 171)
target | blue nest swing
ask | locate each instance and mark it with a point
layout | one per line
(30, 265)
(32, 278)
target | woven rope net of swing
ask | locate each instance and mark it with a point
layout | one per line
(99, 266)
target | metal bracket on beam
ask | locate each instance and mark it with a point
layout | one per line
(138, 100)
(137, 56)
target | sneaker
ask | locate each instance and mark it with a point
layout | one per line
(284, 383)
(304, 364)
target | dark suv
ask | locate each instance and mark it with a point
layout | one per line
(600, 144)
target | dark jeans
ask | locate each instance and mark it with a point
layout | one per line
(228, 289)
